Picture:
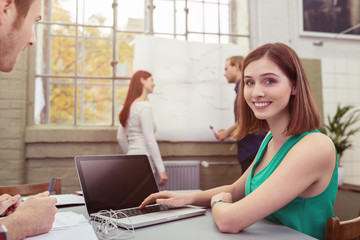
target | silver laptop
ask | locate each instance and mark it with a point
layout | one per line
(122, 182)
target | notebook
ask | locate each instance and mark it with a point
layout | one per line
(122, 182)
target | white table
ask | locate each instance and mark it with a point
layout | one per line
(203, 227)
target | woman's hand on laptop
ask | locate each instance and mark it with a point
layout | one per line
(165, 198)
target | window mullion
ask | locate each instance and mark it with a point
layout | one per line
(186, 9)
(150, 17)
(219, 27)
(47, 68)
(114, 61)
(175, 33)
(203, 14)
(76, 63)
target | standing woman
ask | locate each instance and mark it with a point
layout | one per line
(136, 134)
(293, 179)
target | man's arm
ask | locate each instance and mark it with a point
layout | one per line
(224, 134)
(32, 217)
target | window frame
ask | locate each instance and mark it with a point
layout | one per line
(117, 80)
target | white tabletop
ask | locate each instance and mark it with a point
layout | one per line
(203, 227)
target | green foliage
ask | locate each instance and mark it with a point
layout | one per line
(341, 127)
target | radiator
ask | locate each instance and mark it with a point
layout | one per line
(182, 175)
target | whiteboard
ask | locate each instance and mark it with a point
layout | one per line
(191, 91)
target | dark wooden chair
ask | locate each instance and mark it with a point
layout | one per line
(344, 230)
(31, 189)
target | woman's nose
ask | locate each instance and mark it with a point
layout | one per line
(258, 91)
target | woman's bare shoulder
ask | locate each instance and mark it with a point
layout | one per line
(318, 145)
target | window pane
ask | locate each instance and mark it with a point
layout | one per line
(195, 17)
(131, 16)
(39, 106)
(224, 19)
(54, 54)
(164, 17)
(240, 8)
(211, 18)
(61, 11)
(125, 54)
(62, 57)
(95, 13)
(62, 101)
(180, 17)
(98, 57)
(94, 102)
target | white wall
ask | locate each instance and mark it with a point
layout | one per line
(280, 21)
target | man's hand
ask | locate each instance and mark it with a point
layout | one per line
(32, 217)
(8, 204)
(222, 135)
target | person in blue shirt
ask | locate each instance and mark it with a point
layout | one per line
(248, 146)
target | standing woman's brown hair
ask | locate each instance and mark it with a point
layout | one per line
(304, 115)
(135, 90)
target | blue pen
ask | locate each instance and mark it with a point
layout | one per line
(51, 184)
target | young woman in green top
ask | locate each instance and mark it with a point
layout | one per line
(293, 179)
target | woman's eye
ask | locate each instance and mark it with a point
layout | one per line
(249, 83)
(269, 81)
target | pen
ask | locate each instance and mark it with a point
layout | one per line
(211, 127)
(51, 184)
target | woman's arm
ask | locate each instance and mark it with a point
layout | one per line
(122, 139)
(304, 172)
(203, 198)
(147, 125)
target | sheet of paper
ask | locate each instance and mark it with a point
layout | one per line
(65, 199)
(68, 199)
(68, 225)
(68, 219)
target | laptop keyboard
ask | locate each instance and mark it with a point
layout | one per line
(136, 211)
(148, 209)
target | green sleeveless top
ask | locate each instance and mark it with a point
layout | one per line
(306, 215)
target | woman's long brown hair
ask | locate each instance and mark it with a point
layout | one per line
(135, 90)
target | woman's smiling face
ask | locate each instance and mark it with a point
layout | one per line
(267, 89)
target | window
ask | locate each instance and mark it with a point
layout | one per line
(84, 59)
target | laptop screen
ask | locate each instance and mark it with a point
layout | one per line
(115, 181)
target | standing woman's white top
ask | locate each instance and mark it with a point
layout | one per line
(136, 134)
(139, 135)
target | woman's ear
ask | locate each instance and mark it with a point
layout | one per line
(293, 90)
(142, 80)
